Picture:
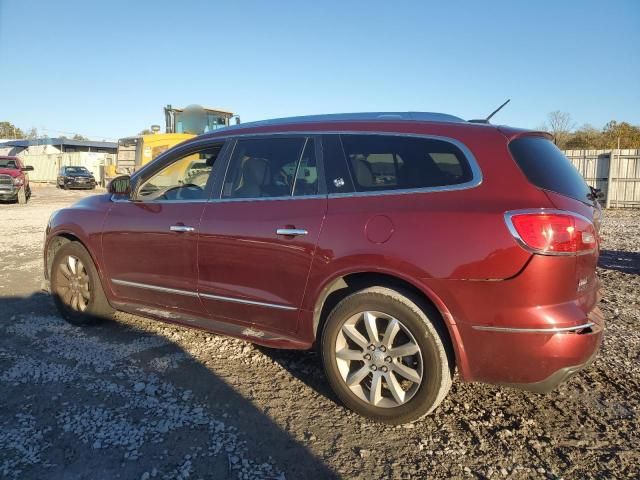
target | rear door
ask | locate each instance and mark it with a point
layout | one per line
(258, 239)
(150, 242)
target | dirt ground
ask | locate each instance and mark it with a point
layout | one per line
(136, 398)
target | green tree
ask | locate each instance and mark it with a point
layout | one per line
(9, 130)
(626, 134)
(586, 137)
(146, 131)
(77, 136)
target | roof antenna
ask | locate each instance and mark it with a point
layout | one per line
(486, 120)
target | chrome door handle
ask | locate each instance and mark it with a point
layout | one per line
(181, 228)
(291, 232)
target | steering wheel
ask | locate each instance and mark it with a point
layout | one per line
(282, 178)
(187, 187)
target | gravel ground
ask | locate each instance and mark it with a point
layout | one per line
(136, 398)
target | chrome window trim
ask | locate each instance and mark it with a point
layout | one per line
(246, 302)
(188, 293)
(156, 202)
(533, 330)
(156, 288)
(476, 172)
(531, 211)
(263, 199)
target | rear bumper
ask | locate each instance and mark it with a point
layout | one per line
(534, 358)
(553, 380)
(532, 331)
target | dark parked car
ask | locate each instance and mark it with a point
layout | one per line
(403, 246)
(14, 182)
(76, 177)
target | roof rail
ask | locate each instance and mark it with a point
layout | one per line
(353, 117)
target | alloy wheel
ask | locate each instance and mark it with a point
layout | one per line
(379, 359)
(73, 284)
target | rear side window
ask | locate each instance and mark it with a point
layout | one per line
(546, 167)
(269, 167)
(384, 162)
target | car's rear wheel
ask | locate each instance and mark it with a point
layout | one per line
(76, 287)
(385, 357)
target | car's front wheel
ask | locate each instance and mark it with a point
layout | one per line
(76, 287)
(22, 196)
(386, 357)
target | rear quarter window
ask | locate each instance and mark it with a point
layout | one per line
(381, 162)
(546, 167)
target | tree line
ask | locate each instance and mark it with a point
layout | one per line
(559, 124)
(587, 137)
(9, 130)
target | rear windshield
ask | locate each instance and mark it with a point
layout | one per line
(546, 167)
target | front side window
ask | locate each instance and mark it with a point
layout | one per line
(381, 162)
(184, 179)
(271, 168)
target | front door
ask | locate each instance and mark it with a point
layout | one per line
(258, 240)
(150, 241)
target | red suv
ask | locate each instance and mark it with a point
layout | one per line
(402, 245)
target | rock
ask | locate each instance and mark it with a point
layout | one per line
(364, 453)
(138, 387)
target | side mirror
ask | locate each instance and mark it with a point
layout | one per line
(120, 185)
(27, 168)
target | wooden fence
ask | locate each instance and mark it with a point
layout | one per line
(615, 172)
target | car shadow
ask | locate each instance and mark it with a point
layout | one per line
(622, 261)
(306, 366)
(185, 417)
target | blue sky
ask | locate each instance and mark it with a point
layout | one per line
(105, 69)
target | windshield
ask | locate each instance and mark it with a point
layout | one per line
(198, 124)
(76, 170)
(8, 163)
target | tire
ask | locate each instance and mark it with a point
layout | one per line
(64, 290)
(422, 379)
(22, 196)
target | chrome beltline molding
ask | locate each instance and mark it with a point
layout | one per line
(533, 330)
(246, 302)
(156, 288)
(188, 293)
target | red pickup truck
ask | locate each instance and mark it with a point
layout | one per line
(14, 183)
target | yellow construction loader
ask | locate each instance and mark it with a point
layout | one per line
(180, 125)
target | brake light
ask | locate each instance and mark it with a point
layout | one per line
(552, 232)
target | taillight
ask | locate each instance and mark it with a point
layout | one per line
(552, 232)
